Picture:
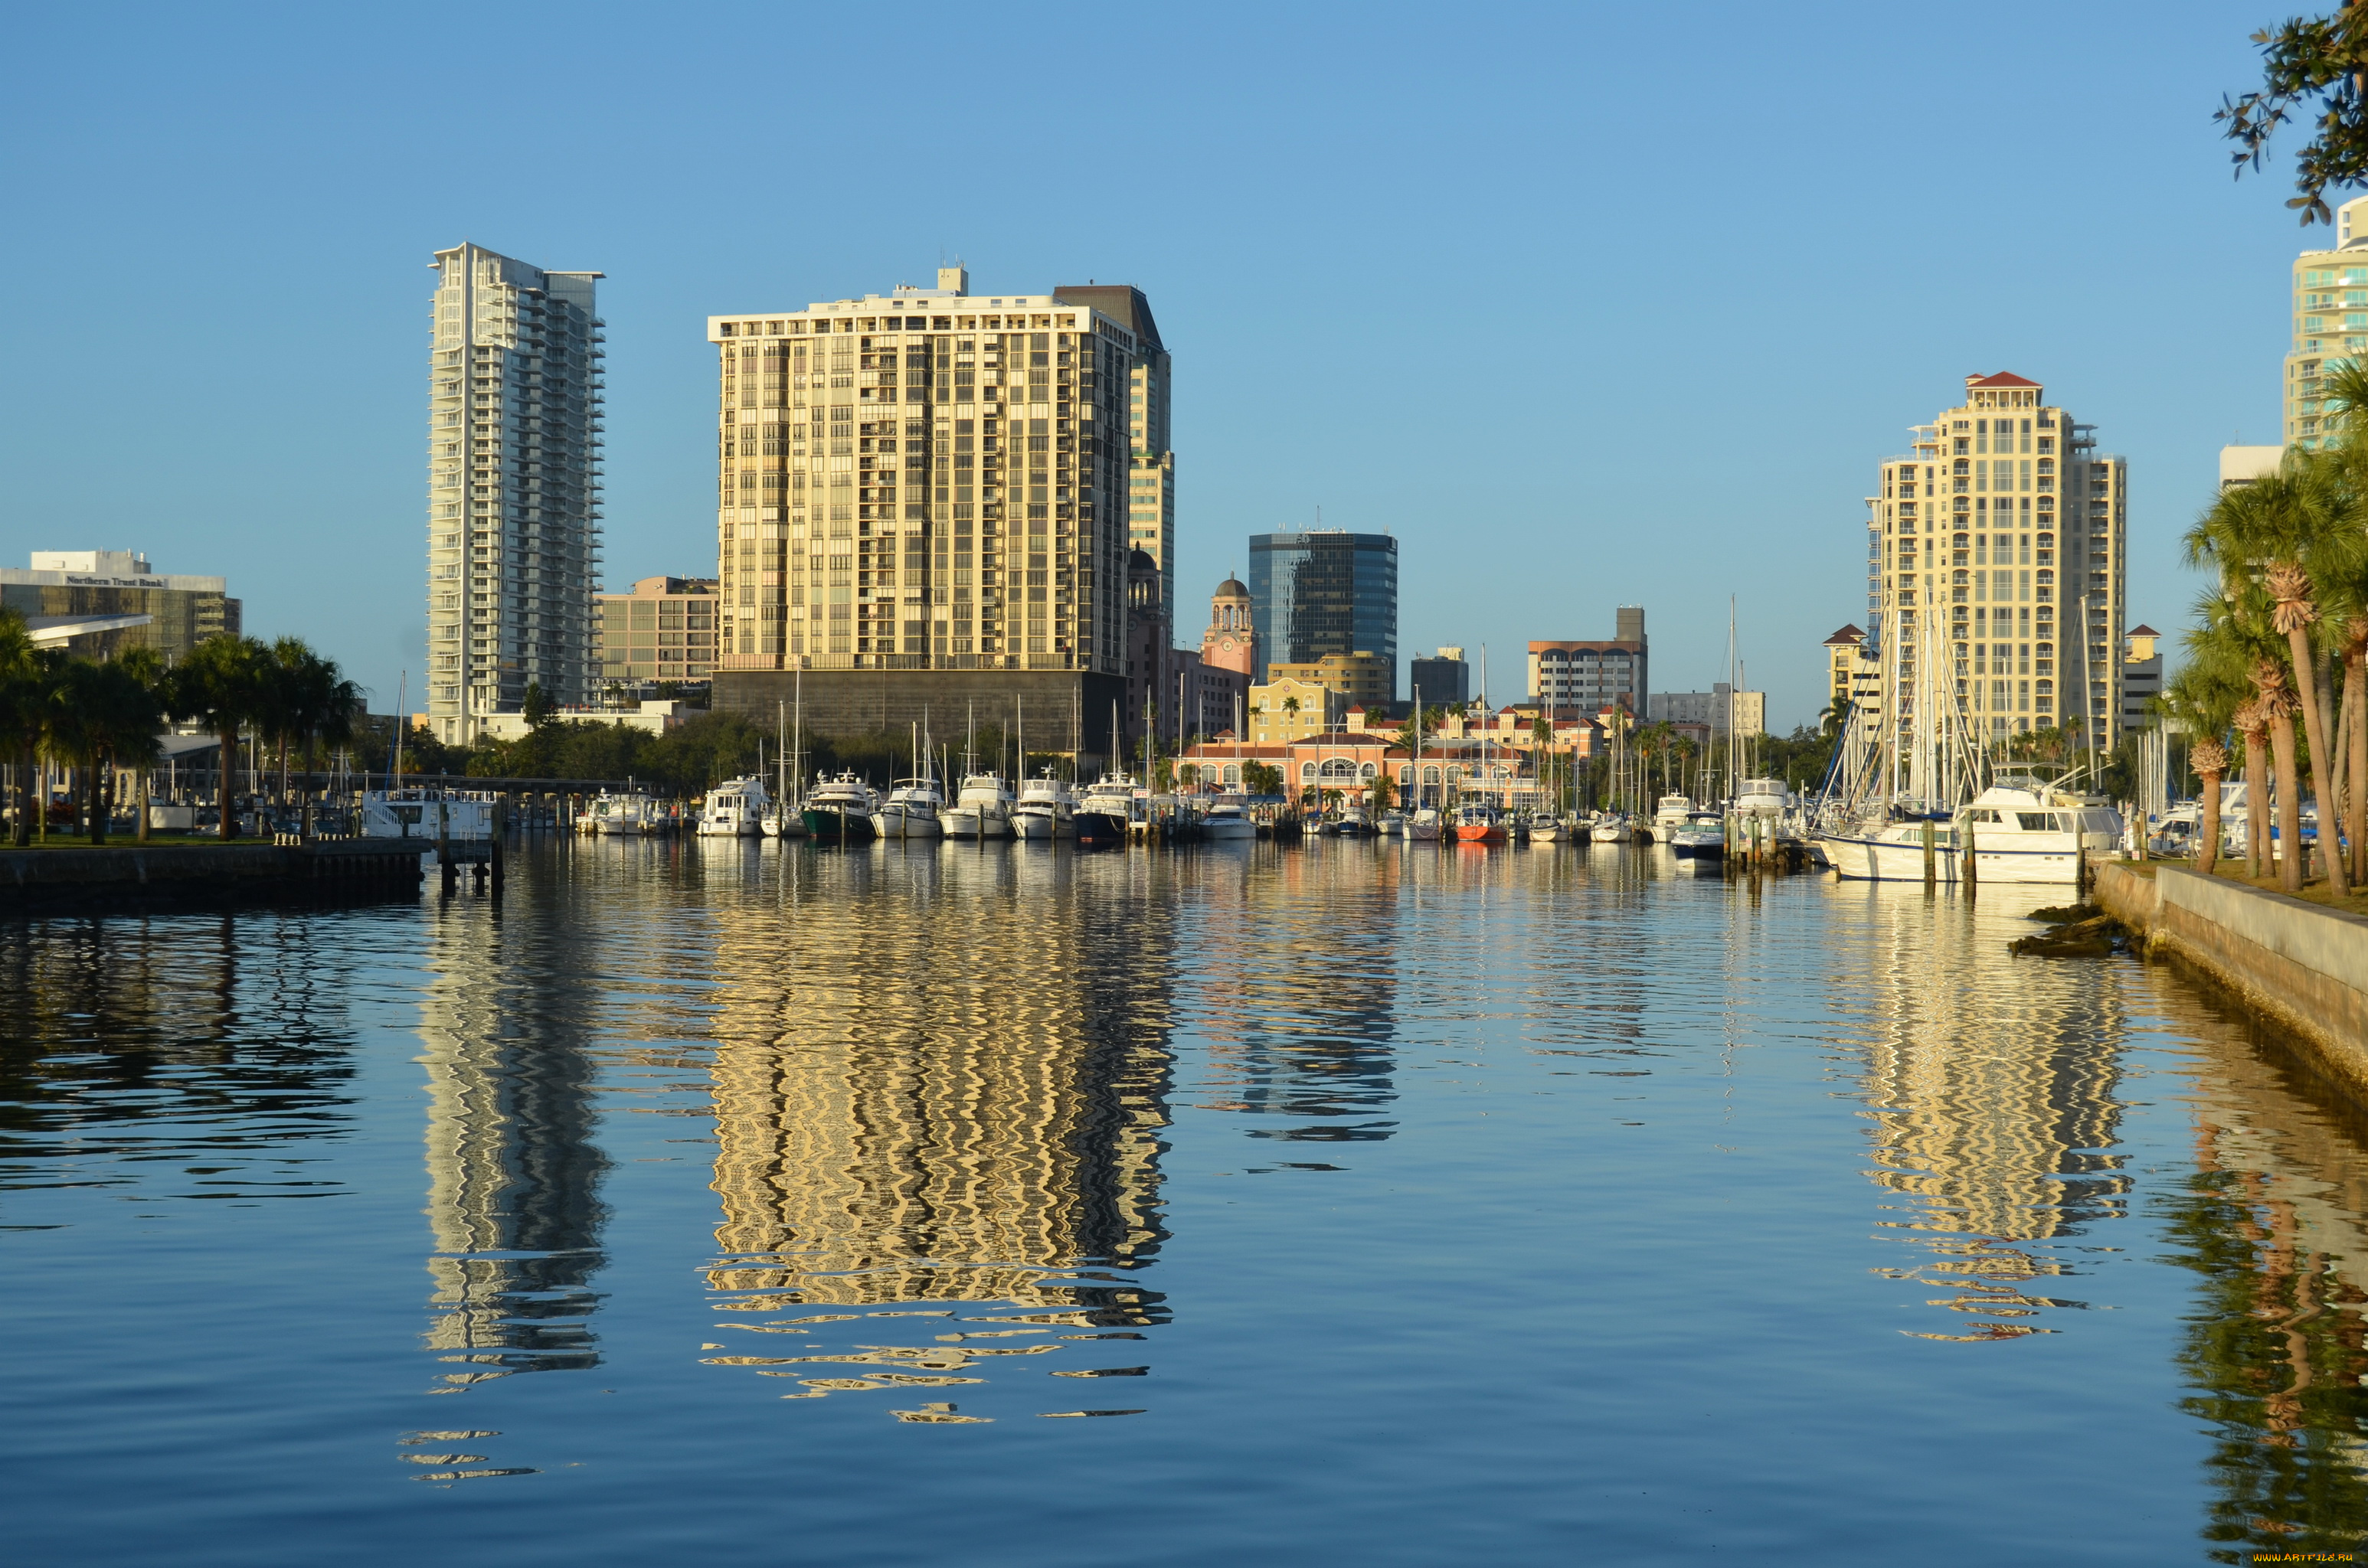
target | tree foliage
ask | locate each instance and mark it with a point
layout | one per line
(2314, 67)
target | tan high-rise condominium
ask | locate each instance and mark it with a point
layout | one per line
(929, 479)
(2331, 318)
(1999, 551)
(513, 496)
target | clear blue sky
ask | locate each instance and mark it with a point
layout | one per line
(1589, 305)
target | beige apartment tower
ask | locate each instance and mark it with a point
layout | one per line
(929, 480)
(513, 487)
(1999, 548)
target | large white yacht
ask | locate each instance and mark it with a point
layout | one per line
(1046, 810)
(1881, 849)
(839, 810)
(2024, 830)
(1104, 813)
(1670, 813)
(734, 809)
(1227, 819)
(911, 810)
(983, 809)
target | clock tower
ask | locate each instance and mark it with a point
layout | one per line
(1230, 643)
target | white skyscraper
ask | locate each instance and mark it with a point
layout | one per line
(514, 491)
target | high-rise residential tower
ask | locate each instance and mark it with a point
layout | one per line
(927, 480)
(1326, 592)
(2329, 317)
(1151, 460)
(514, 493)
(2000, 552)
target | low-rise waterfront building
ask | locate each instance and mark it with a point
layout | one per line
(1282, 711)
(98, 602)
(1361, 677)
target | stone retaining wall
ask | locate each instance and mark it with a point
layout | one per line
(2301, 967)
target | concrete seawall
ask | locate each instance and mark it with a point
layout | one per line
(40, 879)
(2302, 967)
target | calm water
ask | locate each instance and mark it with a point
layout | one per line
(1335, 1205)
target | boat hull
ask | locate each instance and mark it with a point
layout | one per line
(1230, 828)
(1685, 851)
(1479, 833)
(828, 825)
(1887, 860)
(895, 823)
(1096, 829)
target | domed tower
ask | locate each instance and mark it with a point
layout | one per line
(1231, 641)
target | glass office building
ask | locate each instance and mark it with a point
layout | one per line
(1334, 592)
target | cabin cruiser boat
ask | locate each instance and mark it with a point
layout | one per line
(1226, 820)
(839, 810)
(1882, 849)
(1479, 824)
(427, 814)
(1046, 810)
(911, 810)
(623, 816)
(983, 809)
(1390, 825)
(1701, 838)
(1423, 825)
(1761, 798)
(733, 810)
(1352, 823)
(2024, 830)
(1104, 813)
(1670, 813)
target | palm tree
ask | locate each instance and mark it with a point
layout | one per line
(2290, 584)
(2271, 535)
(2203, 697)
(103, 716)
(220, 684)
(26, 672)
(2254, 726)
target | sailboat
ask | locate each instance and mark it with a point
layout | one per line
(1885, 839)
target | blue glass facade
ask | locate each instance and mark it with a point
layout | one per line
(1312, 593)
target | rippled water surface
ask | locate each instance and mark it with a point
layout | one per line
(1341, 1204)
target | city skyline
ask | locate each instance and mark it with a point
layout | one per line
(1257, 265)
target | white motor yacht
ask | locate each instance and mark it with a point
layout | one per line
(734, 809)
(1228, 820)
(911, 810)
(620, 816)
(1670, 813)
(983, 809)
(1884, 850)
(1045, 811)
(1702, 837)
(2024, 830)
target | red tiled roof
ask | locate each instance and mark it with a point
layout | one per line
(2003, 378)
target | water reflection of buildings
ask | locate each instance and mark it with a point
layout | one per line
(1990, 1083)
(1298, 987)
(513, 1171)
(941, 1079)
